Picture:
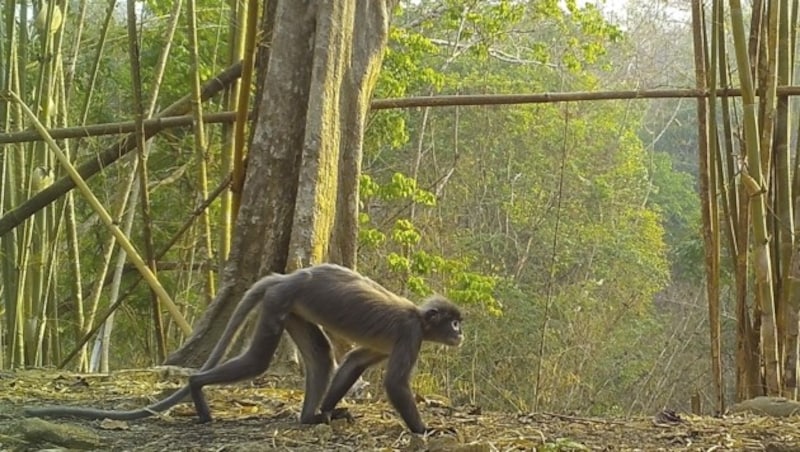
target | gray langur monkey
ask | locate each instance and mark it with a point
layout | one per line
(384, 326)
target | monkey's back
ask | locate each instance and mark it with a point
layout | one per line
(347, 304)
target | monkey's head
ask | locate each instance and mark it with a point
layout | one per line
(441, 321)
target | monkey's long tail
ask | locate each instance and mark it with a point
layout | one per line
(251, 298)
(92, 413)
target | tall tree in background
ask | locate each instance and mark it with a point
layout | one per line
(300, 197)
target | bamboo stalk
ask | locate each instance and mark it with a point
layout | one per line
(784, 233)
(48, 21)
(753, 176)
(103, 341)
(50, 335)
(706, 145)
(125, 193)
(141, 156)
(201, 148)
(236, 30)
(80, 23)
(248, 65)
(92, 82)
(161, 65)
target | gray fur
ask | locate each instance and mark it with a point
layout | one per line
(343, 302)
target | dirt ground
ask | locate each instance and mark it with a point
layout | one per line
(263, 416)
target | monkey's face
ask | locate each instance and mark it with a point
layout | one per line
(444, 327)
(456, 337)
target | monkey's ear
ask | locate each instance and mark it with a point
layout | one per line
(432, 316)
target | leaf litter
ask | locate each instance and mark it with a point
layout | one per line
(262, 415)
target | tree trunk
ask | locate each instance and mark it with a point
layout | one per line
(302, 177)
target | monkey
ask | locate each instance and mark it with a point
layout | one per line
(383, 325)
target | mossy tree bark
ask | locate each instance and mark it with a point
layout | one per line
(300, 197)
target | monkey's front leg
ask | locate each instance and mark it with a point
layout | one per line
(397, 383)
(353, 366)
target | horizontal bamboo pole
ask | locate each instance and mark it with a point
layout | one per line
(156, 124)
(90, 167)
(151, 126)
(17, 215)
(539, 98)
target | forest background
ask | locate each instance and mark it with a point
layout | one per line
(569, 231)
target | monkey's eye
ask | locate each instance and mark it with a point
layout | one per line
(456, 325)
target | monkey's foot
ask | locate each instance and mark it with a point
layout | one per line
(438, 431)
(339, 413)
(329, 416)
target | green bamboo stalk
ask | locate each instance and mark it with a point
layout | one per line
(74, 258)
(725, 152)
(163, 57)
(48, 24)
(142, 155)
(8, 187)
(105, 337)
(248, 65)
(87, 102)
(753, 177)
(706, 143)
(243, 13)
(748, 355)
(788, 297)
(79, 24)
(767, 79)
(22, 297)
(51, 78)
(201, 147)
(51, 333)
(767, 100)
(124, 195)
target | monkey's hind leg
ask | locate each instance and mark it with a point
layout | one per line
(252, 363)
(317, 353)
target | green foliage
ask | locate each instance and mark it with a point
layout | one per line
(405, 234)
(675, 197)
(371, 237)
(555, 209)
(398, 264)
(403, 66)
(405, 256)
(404, 187)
